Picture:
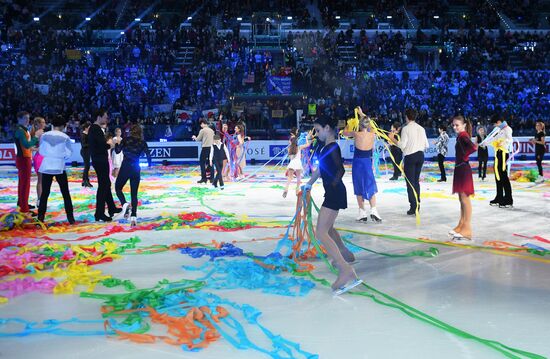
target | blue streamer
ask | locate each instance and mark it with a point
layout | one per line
(223, 274)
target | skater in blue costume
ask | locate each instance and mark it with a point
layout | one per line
(331, 170)
(364, 183)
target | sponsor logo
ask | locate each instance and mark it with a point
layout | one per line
(160, 152)
(256, 151)
(277, 150)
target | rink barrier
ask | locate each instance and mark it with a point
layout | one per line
(262, 150)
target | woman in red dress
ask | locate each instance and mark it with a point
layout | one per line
(463, 183)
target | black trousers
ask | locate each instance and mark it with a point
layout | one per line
(63, 186)
(482, 158)
(128, 171)
(398, 157)
(504, 188)
(441, 163)
(218, 180)
(539, 157)
(86, 157)
(103, 195)
(413, 167)
(204, 161)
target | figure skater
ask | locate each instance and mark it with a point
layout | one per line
(540, 148)
(85, 153)
(295, 167)
(56, 148)
(218, 155)
(331, 170)
(133, 147)
(441, 146)
(364, 183)
(240, 151)
(117, 157)
(482, 153)
(395, 151)
(463, 183)
(38, 124)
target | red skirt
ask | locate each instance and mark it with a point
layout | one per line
(463, 181)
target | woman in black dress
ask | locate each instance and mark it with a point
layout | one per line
(540, 147)
(331, 170)
(482, 154)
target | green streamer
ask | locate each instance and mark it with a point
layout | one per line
(412, 312)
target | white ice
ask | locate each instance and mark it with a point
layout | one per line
(487, 294)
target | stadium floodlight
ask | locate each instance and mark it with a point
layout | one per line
(88, 19)
(190, 18)
(289, 17)
(337, 17)
(36, 19)
(137, 19)
(239, 19)
(436, 16)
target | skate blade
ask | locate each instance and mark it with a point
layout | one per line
(347, 287)
(375, 219)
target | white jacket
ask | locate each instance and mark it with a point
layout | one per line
(56, 148)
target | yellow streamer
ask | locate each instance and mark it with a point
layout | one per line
(498, 145)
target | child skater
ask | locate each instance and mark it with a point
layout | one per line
(38, 124)
(540, 148)
(55, 147)
(133, 147)
(218, 155)
(295, 165)
(331, 170)
(364, 183)
(463, 183)
(482, 153)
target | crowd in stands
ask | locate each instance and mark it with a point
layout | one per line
(139, 73)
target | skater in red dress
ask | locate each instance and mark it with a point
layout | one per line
(463, 183)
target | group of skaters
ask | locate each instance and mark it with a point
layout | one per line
(408, 144)
(224, 156)
(111, 156)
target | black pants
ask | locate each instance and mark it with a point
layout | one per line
(539, 157)
(63, 186)
(504, 188)
(397, 156)
(104, 195)
(205, 163)
(218, 180)
(441, 163)
(482, 158)
(128, 171)
(86, 157)
(412, 167)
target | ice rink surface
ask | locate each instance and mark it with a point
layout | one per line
(497, 290)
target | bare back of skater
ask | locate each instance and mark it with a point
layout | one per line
(364, 182)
